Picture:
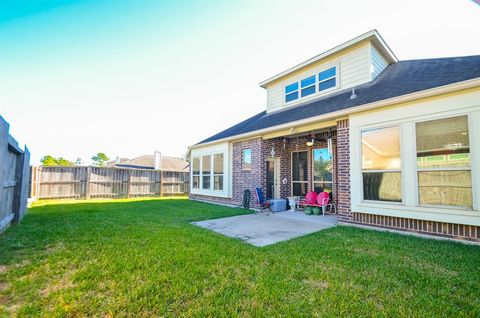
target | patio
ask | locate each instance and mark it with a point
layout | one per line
(266, 229)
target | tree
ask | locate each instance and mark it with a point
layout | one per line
(99, 159)
(78, 162)
(49, 160)
(64, 162)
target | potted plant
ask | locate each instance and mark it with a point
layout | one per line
(308, 210)
(316, 210)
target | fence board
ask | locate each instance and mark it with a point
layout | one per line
(106, 182)
(14, 178)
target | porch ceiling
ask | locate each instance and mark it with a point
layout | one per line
(302, 130)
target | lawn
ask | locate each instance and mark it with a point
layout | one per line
(143, 259)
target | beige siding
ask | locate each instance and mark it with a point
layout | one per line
(379, 63)
(353, 68)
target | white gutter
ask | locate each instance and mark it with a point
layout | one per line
(371, 34)
(352, 110)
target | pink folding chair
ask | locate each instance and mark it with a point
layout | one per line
(323, 199)
(309, 199)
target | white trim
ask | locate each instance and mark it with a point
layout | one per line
(473, 83)
(371, 34)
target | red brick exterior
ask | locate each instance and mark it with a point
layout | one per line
(343, 174)
(456, 231)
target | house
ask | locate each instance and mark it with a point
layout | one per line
(155, 161)
(396, 143)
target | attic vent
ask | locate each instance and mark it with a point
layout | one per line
(353, 96)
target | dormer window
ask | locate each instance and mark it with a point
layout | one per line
(291, 92)
(308, 86)
(327, 79)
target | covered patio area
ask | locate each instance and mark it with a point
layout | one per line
(269, 228)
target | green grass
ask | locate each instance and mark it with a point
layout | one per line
(143, 259)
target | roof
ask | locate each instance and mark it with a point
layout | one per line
(401, 78)
(373, 35)
(148, 162)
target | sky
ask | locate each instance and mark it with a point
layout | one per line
(78, 77)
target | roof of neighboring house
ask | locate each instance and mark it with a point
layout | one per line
(400, 78)
(148, 162)
(112, 163)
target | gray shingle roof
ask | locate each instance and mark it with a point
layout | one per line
(397, 79)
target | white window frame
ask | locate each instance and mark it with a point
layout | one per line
(317, 93)
(291, 170)
(379, 170)
(297, 90)
(210, 174)
(321, 81)
(313, 171)
(199, 175)
(469, 168)
(218, 174)
(308, 86)
(406, 116)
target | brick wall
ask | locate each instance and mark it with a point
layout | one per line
(343, 171)
(247, 179)
(456, 231)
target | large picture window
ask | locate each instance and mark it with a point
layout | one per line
(381, 165)
(196, 172)
(322, 170)
(218, 171)
(299, 173)
(443, 162)
(206, 171)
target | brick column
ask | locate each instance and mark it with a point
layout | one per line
(343, 171)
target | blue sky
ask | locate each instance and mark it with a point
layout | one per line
(129, 77)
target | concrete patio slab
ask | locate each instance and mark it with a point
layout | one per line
(265, 229)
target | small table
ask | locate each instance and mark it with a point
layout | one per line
(292, 201)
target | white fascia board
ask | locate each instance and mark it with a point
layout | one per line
(371, 34)
(472, 83)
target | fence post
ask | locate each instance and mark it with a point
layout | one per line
(87, 185)
(160, 192)
(128, 183)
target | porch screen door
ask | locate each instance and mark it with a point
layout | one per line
(299, 173)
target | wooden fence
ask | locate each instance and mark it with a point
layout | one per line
(105, 182)
(14, 178)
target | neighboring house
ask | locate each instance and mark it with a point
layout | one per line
(395, 142)
(155, 161)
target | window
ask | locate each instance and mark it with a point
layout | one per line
(443, 162)
(327, 79)
(218, 171)
(196, 172)
(291, 92)
(299, 173)
(206, 171)
(246, 159)
(381, 165)
(308, 86)
(322, 171)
